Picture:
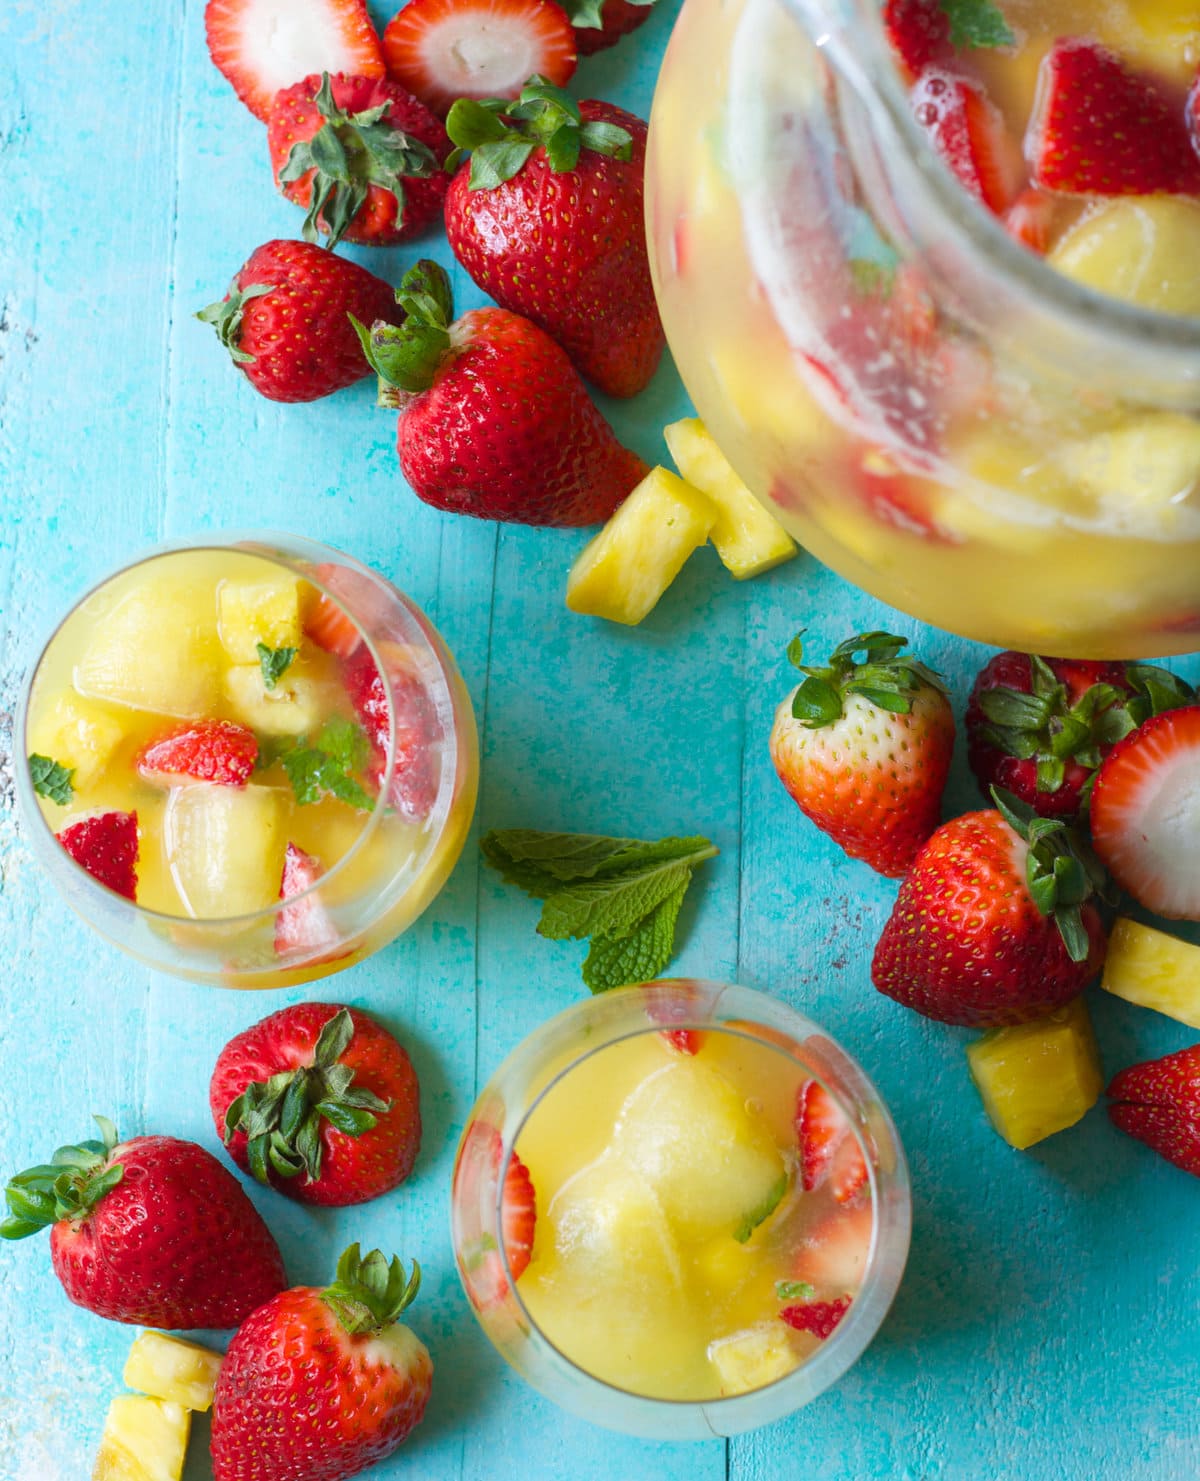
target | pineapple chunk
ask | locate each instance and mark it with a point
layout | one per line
(143, 1440)
(293, 707)
(169, 1368)
(751, 1359)
(1149, 462)
(225, 848)
(156, 650)
(747, 537)
(623, 571)
(1038, 1078)
(79, 734)
(1153, 970)
(1141, 249)
(253, 612)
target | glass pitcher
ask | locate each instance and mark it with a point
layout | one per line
(930, 408)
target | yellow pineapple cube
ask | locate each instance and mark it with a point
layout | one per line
(626, 568)
(77, 733)
(748, 538)
(1139, 248)
(143, 1440)
(1151, 462)
(293, 707)
(253, 612)
(754, 1357)
(1153, 970)
(169, 1368)
(225, 847)
(156, 650)
(1038, 1078)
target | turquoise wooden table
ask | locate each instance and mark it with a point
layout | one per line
(1048, 1328)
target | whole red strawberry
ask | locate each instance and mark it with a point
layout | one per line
(994, 923)
(864, 746)
(548, 219)
(361, 155)
(599, 24)
(319, 1101)
(318, 1385)
(494, 421)
(1040, 727)
(152, 1231)
(1159, 1103)
(285, 320)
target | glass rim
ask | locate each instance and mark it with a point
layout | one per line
(854, 1333)
(870, 70)
(282, 549)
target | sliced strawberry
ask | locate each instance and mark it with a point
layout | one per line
(817, 1317)
(1159, 1103)
(263, 45)
(1146, 813)
(834, 1256)
(217, 751)
(918, 32)
(330, 626)
(305, 928)
(518, 1216)
(828, 1146)
(968, 132)
(441, 50)
(1030, 219)
(415, 771)
(1099, 129)
(678, 1002)
(106, 845)
(617, 19)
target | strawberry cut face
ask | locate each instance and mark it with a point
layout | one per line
(968, 132)
(415, 778)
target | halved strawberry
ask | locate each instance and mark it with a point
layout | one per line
(680, 1002)
(968, 132)
(834, 1256)
(616, 18)
(414, 784)
(817, 1317)
(1099, 129)
(106, 845)
(1159, 1103)
(442, 50)
(263, 45)
(304, 928)
(1146, 813)
(217, 751)
(518, 1216)
(828, 1146)
(918, 32)
(1030, 219)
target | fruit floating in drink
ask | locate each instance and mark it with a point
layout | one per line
(967, 382)
(687, 1214)
(253, 763)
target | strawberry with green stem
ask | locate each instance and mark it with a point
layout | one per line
(152, 1231)
(599, 24)
(863, 746)
(319, 1384)
(996, 921)
(494, 420)
(320, 1102)
(549, 220)
(361, 155)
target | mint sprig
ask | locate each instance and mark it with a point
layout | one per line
(275, 662)
(977, 23)
(51, 779)
(621, 894)
(327, 767)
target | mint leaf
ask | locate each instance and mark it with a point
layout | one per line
(51, 779)
(623, 893)
(275, 663)
(642, 954)
(794, 1290)
(977, 23)
(327, 767)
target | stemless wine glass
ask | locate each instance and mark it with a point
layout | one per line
(935, 411)
(559, 1060)
(391, 856)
